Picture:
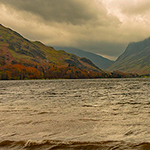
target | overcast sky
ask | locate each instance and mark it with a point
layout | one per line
(103, 27)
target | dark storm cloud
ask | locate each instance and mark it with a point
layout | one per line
(69, 11)
(101, 26)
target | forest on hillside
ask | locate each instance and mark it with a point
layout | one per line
(29, 70)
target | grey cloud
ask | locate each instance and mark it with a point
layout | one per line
(84, 24)
(139, 7)
(69, 11)
(105, 48)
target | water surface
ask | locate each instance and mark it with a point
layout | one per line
(75, 114)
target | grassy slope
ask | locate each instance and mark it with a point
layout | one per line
(20, 48)
(135, 59)
(98, 60)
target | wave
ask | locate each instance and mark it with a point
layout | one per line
(72, 145)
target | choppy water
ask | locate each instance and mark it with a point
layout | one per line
(105, 114)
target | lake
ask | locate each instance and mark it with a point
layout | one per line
(81, 114)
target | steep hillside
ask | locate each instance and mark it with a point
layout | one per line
(99, 61)
(23, 59)
(135, 59)
(14, 48)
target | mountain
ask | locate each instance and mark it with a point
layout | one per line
(14, 47)
(21, 58)
(24, 59)
(98, 60)
(135, 59)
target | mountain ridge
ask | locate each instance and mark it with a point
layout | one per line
(98, 60)
(24, 59)
(17, 46)
(135, 58)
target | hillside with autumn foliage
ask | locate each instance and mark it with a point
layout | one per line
(24, 59)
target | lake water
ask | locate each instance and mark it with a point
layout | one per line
(105, 114)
